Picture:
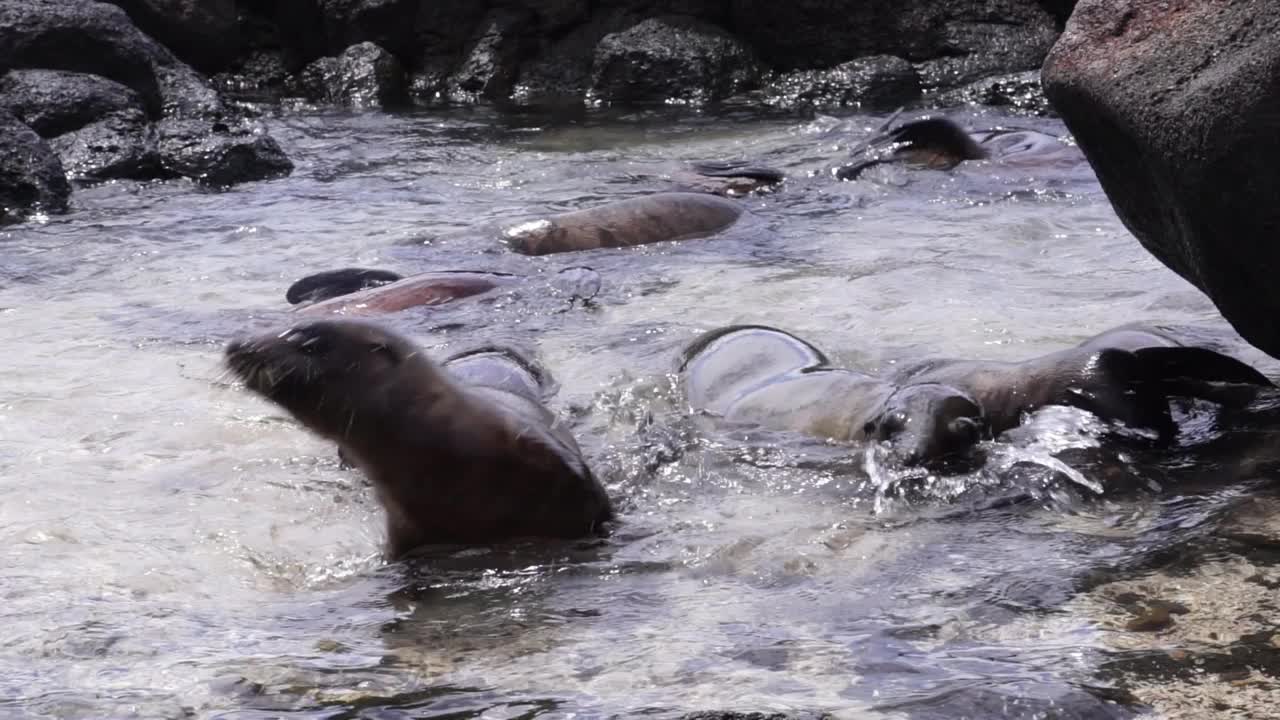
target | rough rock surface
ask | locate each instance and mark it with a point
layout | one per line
(575, 51)
(364, 75)
(31, 177)
(1174, 102)
(203, 33)
(117, 104)
(119, 145)
(670, 58)
(881, 81)
(53, 102)
(1016, 91)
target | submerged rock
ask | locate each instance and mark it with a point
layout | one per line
(364, 75)
(881, 81)
(53, 102)
(671, 59)
(31, 176)
(1174, 104)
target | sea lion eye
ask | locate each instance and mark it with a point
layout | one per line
(869, 428)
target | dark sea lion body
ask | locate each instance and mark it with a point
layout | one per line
(940, 144)
(661, 217)
(466, 455)
(333, 283)
(1125, 375)
(433, 288)
(762, 376)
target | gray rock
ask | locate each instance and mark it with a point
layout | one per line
(1175, 108)
(219, 153)
(364, 75)
(31, 177)
(1017, 91)
(881, 81)
(975, 50)
(120, 145)
(671, 58)
(53, 102)
(489, 68)
(204, 33)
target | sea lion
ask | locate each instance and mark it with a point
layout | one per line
(331, 284)
(937, 143)
(361, 291)
(762, 376)
(469, 456)
(660, 217)
(1125, 375)
(433, 288)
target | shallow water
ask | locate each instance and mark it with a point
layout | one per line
(175, 547)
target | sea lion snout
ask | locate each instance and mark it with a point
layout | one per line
(925, 423)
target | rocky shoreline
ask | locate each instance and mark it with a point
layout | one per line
(145, 89)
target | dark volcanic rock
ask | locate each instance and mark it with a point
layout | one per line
(31, 177)
(218, 153)
(53, 102)
(1175, 102)
(80, 36)
(974, 50)
(489, 68)
(1018, 91)
(364, 75)
(672, 58)
(882, 81)
(120, 145)
(204, 33)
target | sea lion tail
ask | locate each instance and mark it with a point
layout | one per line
(1194, 363)
(335, 283)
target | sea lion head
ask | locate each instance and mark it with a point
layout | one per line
(928, 422)
(332, 375)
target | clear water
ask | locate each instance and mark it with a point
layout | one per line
(173, 547)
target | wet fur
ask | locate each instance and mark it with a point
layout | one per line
(451, 462)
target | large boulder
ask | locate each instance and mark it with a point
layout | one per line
(671, 59)
(1174, 102)
(204, 33)
(364, 75)
(53, 102)
(118, 104)
(31, 177)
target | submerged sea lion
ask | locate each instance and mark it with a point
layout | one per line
(1125, 375)
(433, 288)
(940, 144)
(463, 456)
(360, 291)
(757, 375)
(660, 217)
(331, 284)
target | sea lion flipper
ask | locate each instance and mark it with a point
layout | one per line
(335, 283)
(738, 169)
(1197, 363)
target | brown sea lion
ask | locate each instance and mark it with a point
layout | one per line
(469, 456)
(660, 217)
(1125, 375)
(362, 291)
(332, 283)
(433, 288)
(762, 376)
